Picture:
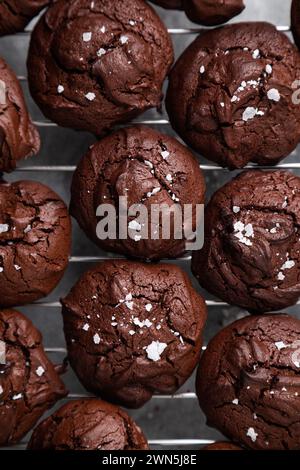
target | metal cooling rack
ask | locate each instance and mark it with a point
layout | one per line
(160, 443)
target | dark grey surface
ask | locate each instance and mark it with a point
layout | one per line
(161, 418)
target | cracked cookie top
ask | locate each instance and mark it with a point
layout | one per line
(148, 168)
(95, 64)
(18, 136)
(16, 14)
(88, 425)
(35, 238)
(231, 95)
(133, 329)
(248, 382)
(251, 254)
(29, 383)
(206, 12)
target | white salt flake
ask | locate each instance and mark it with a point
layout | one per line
(101, 52)
(169, 178)
(4, 228)
(40, 371)
(249, 230)
(269, 69)
(87, 36)
(1, 390)
(252, 434)
(202, 69)
(90, 96)
(17, 397)
(280, 345)
(123, 39)
(148, 307)
(235, 401)
(103, 29)
(273, 94)
(96, 338)
(236, 209)
(165, 154)
(153, 192)
(27, 229)
(280, 276)
(149, 164)
(155, 349)
(256, 54)
(131, 332)
(17, 267)
(60, 89)
(134, 225)
(86, 327)
(289, 264)
(250, 113)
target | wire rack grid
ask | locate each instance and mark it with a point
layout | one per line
(184, 396)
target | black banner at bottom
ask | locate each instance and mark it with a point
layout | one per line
(149, 459)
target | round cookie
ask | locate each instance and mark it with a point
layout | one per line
(147, 168)
(206, 12)
(35, 239)
(222, 446)
(295, 21)
(16, 14)
(18, 136)
(230, 95)
(212, 12)
(138, 327)
(88, 425)
(248, 382)
(92, 65)
(251, 253)
(29, 383)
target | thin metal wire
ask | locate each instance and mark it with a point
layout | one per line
(71, 168)
(180, 31)
(178, 396)
(152, 442)
(209, 303)
(64, 351)
(179, 442)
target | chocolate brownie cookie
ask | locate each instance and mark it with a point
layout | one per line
(18, 136)
(222, 446)
(169, 4)
(251, 254)
(206, 12)
(133, 330)
(88, 425)
(16, 14)
(248, 382)
(295, 21)
(29, 383)
(148, 168)
(35, 239)
(231, 95)
(94, 64)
